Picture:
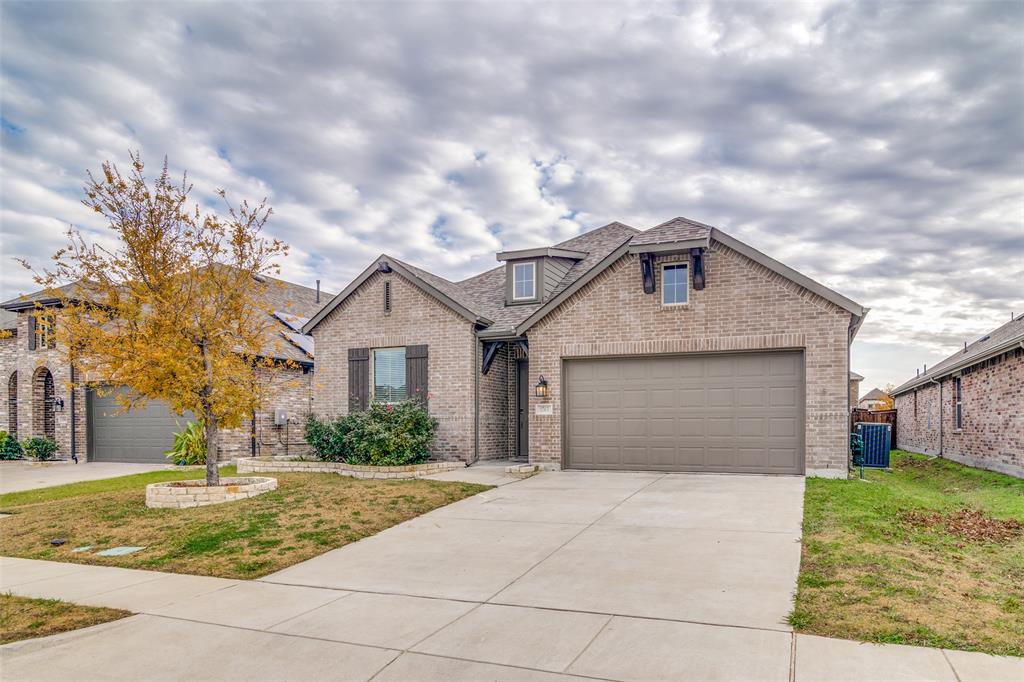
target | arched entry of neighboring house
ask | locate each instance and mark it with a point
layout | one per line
(43, 421)
(12, 405)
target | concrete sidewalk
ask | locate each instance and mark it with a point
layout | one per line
(22, 475)
(197, 628)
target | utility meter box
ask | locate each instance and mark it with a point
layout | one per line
(280, 417)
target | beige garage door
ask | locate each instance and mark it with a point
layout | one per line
(738, 412)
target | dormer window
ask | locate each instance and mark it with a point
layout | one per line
(524, 281)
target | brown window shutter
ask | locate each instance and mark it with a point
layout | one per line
(31, 331)
(416, 373)
(358, 379)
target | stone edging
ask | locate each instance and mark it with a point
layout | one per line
(188, 494)
(259, 465)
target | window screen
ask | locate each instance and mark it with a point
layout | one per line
(674, 284)
(389, 375)
(524, 281)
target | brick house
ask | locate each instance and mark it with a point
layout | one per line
(970, 406)
(678, 348)
(37, 384)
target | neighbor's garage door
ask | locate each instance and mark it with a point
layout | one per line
(140, 435)
(738, 412)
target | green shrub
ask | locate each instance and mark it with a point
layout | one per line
(189, 445)
(10, 448)
(327, 438)
(390, 435)
(39, 448)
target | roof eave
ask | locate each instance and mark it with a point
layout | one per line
(548, 251)
(420, 283)
(669, 247)
(17, 305)
(806, 282)
(916, 382)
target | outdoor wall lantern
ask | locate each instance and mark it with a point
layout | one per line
(58, 404)
(541, 390)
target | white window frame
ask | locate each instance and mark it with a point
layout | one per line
(533, 280)
(674, 265)
(958, 404)
(373, 377)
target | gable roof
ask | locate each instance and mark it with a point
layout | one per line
(874, 394)
(998, 341)
(481, 298)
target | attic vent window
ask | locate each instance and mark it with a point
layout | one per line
(524, 281)
(387, 297)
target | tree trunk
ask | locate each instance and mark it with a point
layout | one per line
(212, 472)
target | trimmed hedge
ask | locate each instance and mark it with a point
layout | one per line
(393, 434)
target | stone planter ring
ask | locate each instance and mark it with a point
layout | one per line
(186, 494)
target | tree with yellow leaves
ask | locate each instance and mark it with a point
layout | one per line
(175, 310)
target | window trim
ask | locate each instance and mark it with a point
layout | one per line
(674, 265)
(533, 268)
(373, 375)
(958, 404)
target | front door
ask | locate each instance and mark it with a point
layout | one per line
(522, 409)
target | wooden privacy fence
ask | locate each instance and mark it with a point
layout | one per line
(881, 417)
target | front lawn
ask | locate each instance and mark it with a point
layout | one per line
(931, 553)
(24, 618)
(307, 515)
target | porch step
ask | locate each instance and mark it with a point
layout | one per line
(522, 470)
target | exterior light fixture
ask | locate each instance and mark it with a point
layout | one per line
(541, 389)
(58, 404)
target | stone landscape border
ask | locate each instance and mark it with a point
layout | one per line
(188, 494)
(260, 465)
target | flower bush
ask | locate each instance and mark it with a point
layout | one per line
(327, 438)
(385, 435)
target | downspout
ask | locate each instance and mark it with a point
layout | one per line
(74, 449)
(939, 383)
(476, 398)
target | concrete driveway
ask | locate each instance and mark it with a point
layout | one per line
(15, 476)
(607, 575)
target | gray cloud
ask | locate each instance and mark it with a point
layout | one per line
(878, 147)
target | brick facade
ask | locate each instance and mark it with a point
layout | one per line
(294, 394)
(745, 306)
(992, 433)
(415, 318)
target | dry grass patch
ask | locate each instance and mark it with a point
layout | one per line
(25, 618)
(930, 553)
(307, 515)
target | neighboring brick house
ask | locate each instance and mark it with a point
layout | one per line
(970, 406)
(91, 426)
(875, 399)
(855, 380)
(679, 348)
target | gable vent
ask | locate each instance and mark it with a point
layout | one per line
(387, 297)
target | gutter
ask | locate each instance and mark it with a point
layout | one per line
(939, 383)
(476, 401)
(968, 362)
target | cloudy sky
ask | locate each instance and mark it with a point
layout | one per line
(878, 148)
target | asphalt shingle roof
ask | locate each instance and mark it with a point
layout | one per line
(675, 230)
(1012, 331)
(486, 291)
(874, 394)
